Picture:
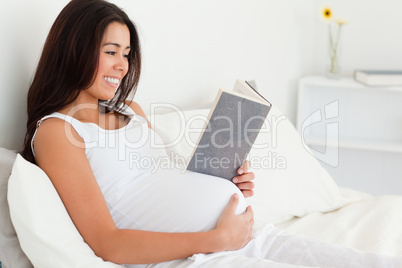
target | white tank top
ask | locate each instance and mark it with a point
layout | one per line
(142, 187)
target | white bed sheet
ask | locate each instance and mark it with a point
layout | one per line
(373, 224)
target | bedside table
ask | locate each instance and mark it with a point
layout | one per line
(354, 130)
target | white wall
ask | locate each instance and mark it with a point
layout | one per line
(191, 48)
(24, 26)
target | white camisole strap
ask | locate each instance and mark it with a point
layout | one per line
(126, 111)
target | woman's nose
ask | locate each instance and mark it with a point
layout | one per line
(121, 63)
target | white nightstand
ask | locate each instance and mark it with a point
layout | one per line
(355, 130)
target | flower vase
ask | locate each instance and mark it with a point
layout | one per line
(334, 53)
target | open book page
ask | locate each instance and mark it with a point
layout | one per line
(246, 89)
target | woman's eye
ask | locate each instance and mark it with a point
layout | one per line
(126, 56)
(111, 53)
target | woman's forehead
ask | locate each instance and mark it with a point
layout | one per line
(117, 34)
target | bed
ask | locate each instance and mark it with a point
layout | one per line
(292, 191)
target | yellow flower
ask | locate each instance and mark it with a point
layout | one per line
(334, 30)
(326, 13)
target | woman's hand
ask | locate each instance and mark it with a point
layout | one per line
(243, 181)
(235, 230)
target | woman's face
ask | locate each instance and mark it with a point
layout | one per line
(113, 61)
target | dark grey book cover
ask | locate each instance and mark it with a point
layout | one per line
(229, 136)
(381, 72)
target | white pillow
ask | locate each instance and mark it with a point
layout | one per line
(300, 187)
(45, 231)
(11, 254)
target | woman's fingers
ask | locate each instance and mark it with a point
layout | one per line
(250, 214)
(244, 168)
(235, 229)
(247, 193)
(246, 188)
(245, 184)
(249, 185)
(234, 201)
(244, 177)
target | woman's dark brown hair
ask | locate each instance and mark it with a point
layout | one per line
(69, 61)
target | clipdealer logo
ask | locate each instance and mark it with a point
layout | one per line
(327, 117)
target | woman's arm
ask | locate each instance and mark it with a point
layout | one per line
(232, 232)
(68, 168)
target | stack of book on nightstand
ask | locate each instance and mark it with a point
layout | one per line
(379, 77)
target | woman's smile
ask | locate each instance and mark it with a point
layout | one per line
(111, 81)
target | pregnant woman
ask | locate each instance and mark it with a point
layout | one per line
(83, 134)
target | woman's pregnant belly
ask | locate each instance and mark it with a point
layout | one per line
(171, 201)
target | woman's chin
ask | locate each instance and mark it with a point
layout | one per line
(107, 97)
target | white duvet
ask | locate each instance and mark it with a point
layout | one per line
(373, 224)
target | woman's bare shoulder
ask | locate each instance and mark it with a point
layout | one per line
(138, 110)
(136, 107)
(57, 146)
(56, 134)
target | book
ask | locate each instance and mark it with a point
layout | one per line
(230, 130)
(379, 77)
